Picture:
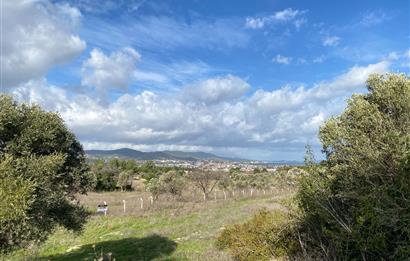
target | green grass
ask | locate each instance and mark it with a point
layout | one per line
(183, 233)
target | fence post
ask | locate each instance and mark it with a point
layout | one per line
(123, 201)
(251, 192)
(142, 203)
(224, 195)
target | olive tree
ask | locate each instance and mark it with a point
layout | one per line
(124, 180)
(43, 165)
(205, 180)
(357, 205)
(172, 182)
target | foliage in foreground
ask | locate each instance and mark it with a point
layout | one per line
(258, 239)
(42, 167)
(356, 204)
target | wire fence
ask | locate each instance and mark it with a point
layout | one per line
(134, 203)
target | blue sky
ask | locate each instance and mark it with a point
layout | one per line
(253, 79)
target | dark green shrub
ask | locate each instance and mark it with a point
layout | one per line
(42, 168)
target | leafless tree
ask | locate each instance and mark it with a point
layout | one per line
(205, 180)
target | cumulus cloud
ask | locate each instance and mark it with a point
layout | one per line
(113, 71)
(218, 89)
(282, 59)
(218, 117)
(331, 41)
(37, 35)
(285, 15)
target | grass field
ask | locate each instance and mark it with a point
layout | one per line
(178, 231)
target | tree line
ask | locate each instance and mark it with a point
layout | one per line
(117, 174)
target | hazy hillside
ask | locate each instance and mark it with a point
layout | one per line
(155, 155)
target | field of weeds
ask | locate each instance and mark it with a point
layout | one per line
(166, 230)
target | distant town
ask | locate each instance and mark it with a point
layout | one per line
(189, 160)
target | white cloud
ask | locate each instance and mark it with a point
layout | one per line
(285, 15)
(374, 18)
(145, 76)
(393, 56)
(331, 41)
(37, 35)
(282, 59)
(407, 53)
(254, 22)
(299, 23)
(319, 59)
(108, 72)
(218, 89)
(262, 124)
(164, 33)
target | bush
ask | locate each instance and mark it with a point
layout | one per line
(260, 238)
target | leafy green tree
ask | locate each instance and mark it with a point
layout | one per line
(309, 158)
(124, 180)
(44, 164)
(357, 204)
(105, 176)
(172, 182)
(155, 188)
(225, 182)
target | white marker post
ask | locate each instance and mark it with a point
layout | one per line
(224, 195)
(124, 205)
(142, 203)
(151, 198)
(251, 192)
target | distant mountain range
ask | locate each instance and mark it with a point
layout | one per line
(126, 153)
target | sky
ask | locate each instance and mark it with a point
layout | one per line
(249, 79)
